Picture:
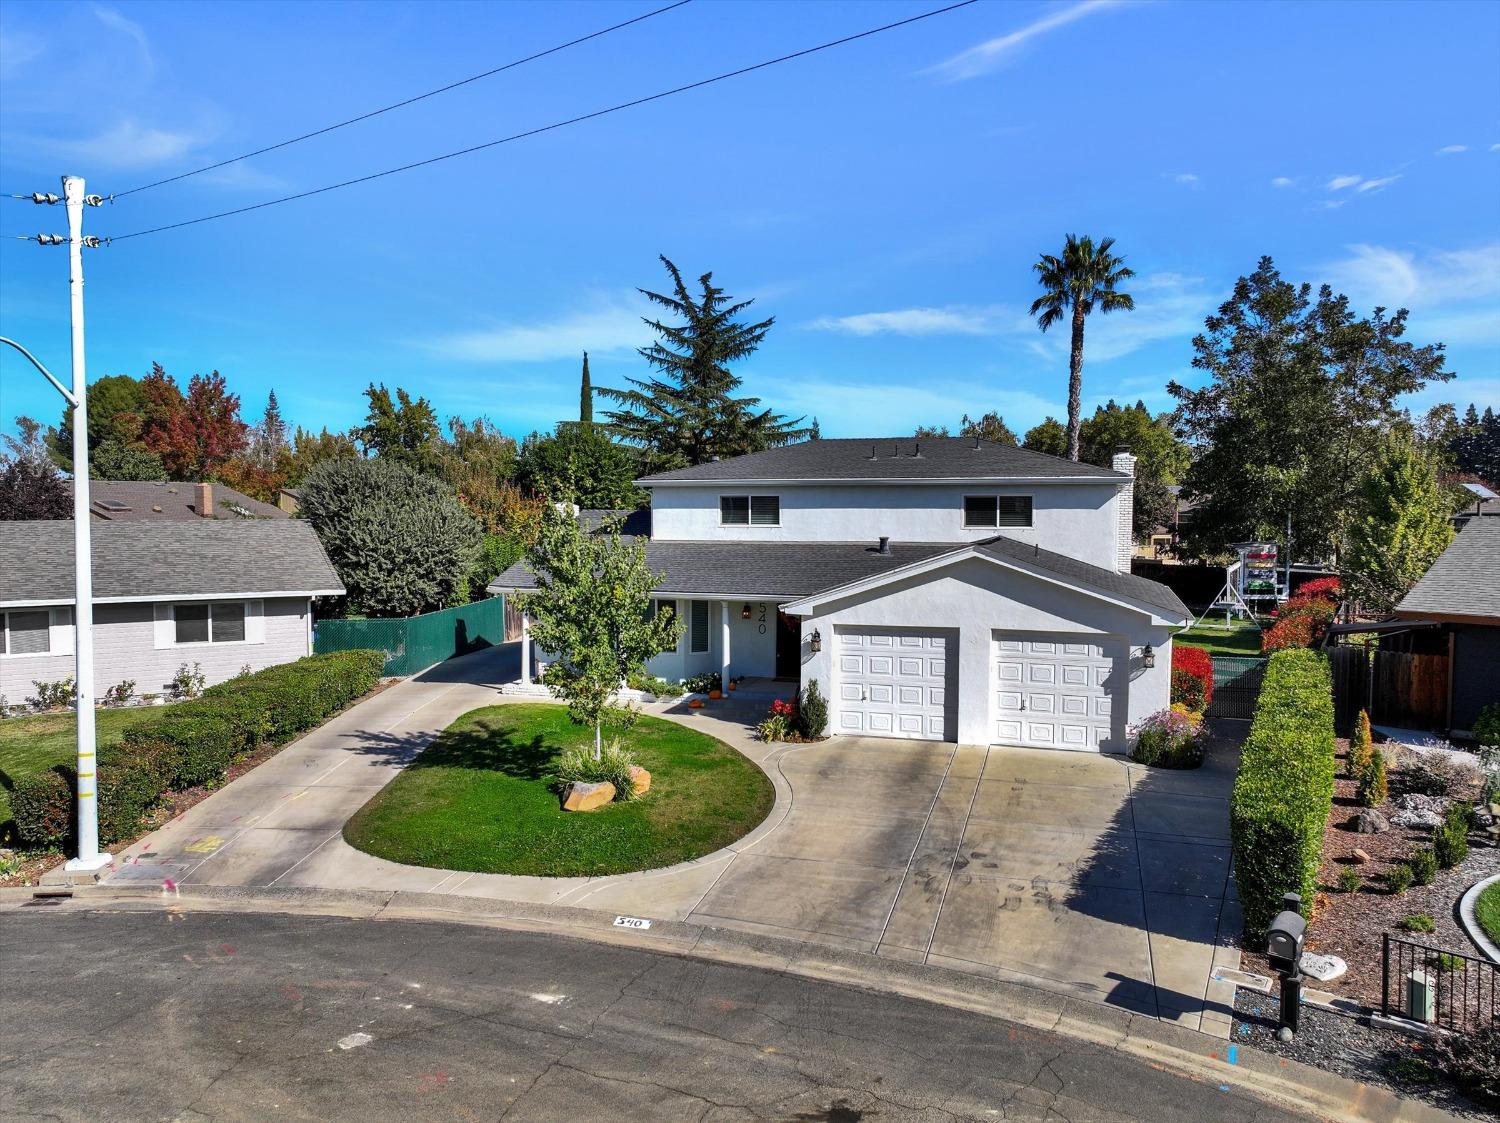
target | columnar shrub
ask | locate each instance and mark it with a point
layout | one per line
(194, 743)
(1450, 842)
(1360, 743)
(1192, 677)
(1284, 790)
(1371, 789)
(812, 712)
(1424, 865)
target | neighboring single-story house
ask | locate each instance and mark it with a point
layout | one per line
(224, 595)
(945, 589)
(172, 501)
(1461, 592)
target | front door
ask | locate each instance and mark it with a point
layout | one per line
(788, 646)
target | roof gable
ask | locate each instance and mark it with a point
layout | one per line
(889, 459)
(1463, 581)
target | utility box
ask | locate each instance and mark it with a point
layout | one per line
(1421, 997)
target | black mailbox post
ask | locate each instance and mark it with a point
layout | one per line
(1284, 949)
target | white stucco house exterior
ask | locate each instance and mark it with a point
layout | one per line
(222, 594)
(945, 589)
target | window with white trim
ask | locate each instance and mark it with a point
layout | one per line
(698, 632)
(26, 631)
(750, 510)
(993, 511)
(213, 622)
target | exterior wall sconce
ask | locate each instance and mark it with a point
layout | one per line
(745, 613)
(816, 642)
(1148, 657)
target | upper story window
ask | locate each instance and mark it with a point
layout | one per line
(25, 632)
(750, 510)
(997, 510)
(220, 622)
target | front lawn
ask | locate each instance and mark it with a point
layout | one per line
(1487, 912)
(1239, 639)
(36, 742)
(480, 798)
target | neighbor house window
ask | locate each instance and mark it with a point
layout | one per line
(750, 510)
(698, 632)
(997, 510)
(26, 632)
(209, 623)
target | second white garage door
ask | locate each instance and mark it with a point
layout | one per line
(893, 683)
(1053, 691)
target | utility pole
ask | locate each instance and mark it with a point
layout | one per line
(89, 857)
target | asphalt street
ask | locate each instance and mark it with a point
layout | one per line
(231, 1016)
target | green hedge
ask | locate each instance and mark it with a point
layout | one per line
(194, 743)
(1284, 790)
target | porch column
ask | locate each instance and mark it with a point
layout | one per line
(525, 650)
(724, 644)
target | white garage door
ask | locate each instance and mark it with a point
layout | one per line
(892, 684)
(1052, 691)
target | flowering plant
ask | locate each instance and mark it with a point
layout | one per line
(1192, 677)
(1169, 739)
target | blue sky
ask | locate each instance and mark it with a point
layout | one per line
(884, 201)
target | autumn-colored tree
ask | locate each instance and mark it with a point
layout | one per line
(194, 434)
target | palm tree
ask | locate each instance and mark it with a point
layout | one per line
(1083, 278)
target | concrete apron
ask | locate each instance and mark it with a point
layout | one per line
(1163, 1045)
(1078, 873)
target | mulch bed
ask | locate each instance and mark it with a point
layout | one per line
(1386, 1058)
(1350, 925)
(34, 864)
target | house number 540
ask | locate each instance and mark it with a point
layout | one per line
(762, 619)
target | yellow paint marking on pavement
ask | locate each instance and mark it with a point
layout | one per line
(205, 845)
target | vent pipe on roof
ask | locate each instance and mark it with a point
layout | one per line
(885, 545)
(976, 444)
(916, 451)
(872, 453)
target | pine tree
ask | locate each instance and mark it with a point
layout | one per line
(689, 414)
(268, 443)
(586, 396)
(1401, 528)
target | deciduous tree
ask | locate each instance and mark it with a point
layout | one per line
(1401, 527)
(1161, 459)
(31, 487)
(400, 428)
(577, 465)
(1048, 436)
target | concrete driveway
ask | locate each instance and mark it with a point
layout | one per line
(1075, 872)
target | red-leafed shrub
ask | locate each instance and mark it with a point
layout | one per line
(1300, 622)
(1329, 588)
(1192, 677)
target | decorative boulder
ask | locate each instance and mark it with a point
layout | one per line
(640, 779)
(588, 797)
(1370, 821)
(1415, 811)
(1323, 967)
(1361, 858)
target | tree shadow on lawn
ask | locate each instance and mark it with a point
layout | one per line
(492, 749)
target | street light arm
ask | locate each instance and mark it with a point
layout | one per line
(47, 374)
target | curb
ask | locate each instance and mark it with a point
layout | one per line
(1470, 923)
(1168, 1047)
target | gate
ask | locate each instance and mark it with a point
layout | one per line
(1453, 990)
(1397, 688)
(1237, 681)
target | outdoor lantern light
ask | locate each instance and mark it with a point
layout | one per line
(1284, 950)
(816, 642)
(1148, 657)
(745, 613)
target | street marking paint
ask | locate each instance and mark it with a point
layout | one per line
(205, 845)
(1233, 1056)
(631, 922)
(549, 999)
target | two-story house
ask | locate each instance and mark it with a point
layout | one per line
(945, 589)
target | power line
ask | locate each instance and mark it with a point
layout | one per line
(555, 125)
(400, 104)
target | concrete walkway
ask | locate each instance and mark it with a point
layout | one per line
(1086, 875)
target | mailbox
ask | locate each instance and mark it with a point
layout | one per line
(1284, 943)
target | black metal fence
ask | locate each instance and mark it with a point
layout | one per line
(1237, 681)
(1452, 990)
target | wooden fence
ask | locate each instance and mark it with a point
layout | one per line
(1396, 687)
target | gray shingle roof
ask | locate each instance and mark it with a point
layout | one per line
(153, 501)
(888, 458)
(792, 570)
(204, 557)
(1465, 580)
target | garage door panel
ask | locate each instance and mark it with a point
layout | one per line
(897, 687)
(1053, 691)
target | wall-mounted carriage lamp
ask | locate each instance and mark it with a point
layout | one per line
(745, 613)
(816, 642)
(1148, 657)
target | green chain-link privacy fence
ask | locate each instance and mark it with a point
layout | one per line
(414, 643)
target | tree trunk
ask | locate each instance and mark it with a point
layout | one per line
(1075, 383)
(598, 752)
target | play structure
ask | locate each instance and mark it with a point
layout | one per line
(1252, 585)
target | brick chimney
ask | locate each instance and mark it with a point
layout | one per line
(1124, 510)
(206, 501)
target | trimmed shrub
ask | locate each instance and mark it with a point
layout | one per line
(1284, 790)
(1349, 880)
(811, 720)
(1192, 677)
(1417, 922)
(1169, 739)
(1398, 879)
(1300, 622)
(1450, 842)
(613, 766)
(1424, 865)
(194, 743)
(1360, 746)
(1371, 790)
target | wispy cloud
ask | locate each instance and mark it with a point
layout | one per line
(1451, 149)
(128, 144)
(1283, 181)
(1339, 182)
(1187, 179)
(1453, 294)
(949, 320)
(611, 323)
(1376, 184)
(858, 408)
(995, 53)
(17, 48)
(129, 28)
(1360, 184)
